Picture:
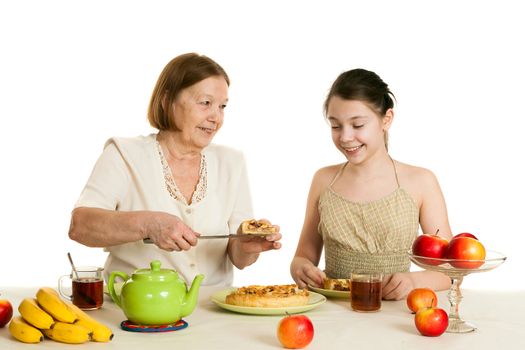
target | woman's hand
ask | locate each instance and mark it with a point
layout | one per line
(169, 232)
(305, 273)
(397, 286)
(244, 251)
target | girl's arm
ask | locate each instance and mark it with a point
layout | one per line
(432, 216)
(304, 268)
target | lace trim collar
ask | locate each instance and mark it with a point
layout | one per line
(171, 186)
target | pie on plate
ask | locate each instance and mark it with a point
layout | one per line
(284, 295)
(341, 284)
(219, 298)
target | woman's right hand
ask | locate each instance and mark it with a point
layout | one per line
(169, 232)
(305, 273)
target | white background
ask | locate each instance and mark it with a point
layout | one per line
(73, 74)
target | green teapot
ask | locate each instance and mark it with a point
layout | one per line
(154, 296)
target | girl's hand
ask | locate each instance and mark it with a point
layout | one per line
(169, 232)
(305, 273)
(397, 286)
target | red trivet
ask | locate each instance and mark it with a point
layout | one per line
(132, 327)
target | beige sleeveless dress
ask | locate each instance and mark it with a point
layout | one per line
(367, 237)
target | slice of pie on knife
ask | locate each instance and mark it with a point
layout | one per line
(257, 226)
(268, 296)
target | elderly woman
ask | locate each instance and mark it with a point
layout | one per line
(174, 185)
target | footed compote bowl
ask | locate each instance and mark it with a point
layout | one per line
(453, 269)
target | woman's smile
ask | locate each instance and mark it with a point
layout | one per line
(208, 131)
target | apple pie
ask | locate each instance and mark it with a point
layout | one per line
(257, 226)
(341, 284)
(268, 296)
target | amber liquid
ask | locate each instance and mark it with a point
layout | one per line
(366, 296)
(88, 293)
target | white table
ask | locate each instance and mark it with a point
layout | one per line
(499, 316)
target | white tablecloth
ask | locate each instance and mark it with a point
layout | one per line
(499, 316)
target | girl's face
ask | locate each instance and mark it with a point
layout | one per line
(357, 130)
(199, 111)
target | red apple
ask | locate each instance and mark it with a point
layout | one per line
(431, 246)
(465, 234)
(295, 332)
(431, 321)
(420, 298)
(6, 312)
(465, 249)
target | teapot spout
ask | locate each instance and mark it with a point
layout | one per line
(191, 297)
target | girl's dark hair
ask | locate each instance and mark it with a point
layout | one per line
(365, 86)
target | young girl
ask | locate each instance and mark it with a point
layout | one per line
(367, 211)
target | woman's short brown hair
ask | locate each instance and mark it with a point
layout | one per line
(181, 72)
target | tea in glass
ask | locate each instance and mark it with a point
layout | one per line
(365, 292)
(87, 288)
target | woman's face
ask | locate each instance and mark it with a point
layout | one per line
(357, 131)
(199, 111)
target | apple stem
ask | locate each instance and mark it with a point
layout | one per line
(435, 234)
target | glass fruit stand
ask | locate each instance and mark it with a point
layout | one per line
(457, 269)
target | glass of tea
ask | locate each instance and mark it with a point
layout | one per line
(365, 291)
(86, 288)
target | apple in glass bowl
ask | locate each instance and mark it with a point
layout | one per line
(465, 252)
(430, 246)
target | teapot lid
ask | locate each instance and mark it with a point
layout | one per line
(155, 273)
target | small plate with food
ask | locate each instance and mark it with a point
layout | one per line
(334, 288)
(268, 300)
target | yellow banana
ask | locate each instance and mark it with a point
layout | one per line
(68, 333)
(24, 332)
(34, 315)
(101, 333)
(50, 301)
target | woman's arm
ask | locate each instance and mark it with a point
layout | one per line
(95, 227)
(245, 251)
(304, 268)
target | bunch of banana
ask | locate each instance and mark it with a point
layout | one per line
(61, 321)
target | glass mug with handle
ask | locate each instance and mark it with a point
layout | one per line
(86, 287)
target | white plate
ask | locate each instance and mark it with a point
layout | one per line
(314, 301)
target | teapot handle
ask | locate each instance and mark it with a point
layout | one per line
(111, 286)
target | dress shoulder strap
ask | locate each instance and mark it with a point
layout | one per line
(338, 174)
(395, 171)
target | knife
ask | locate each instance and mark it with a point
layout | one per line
(231, 235)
